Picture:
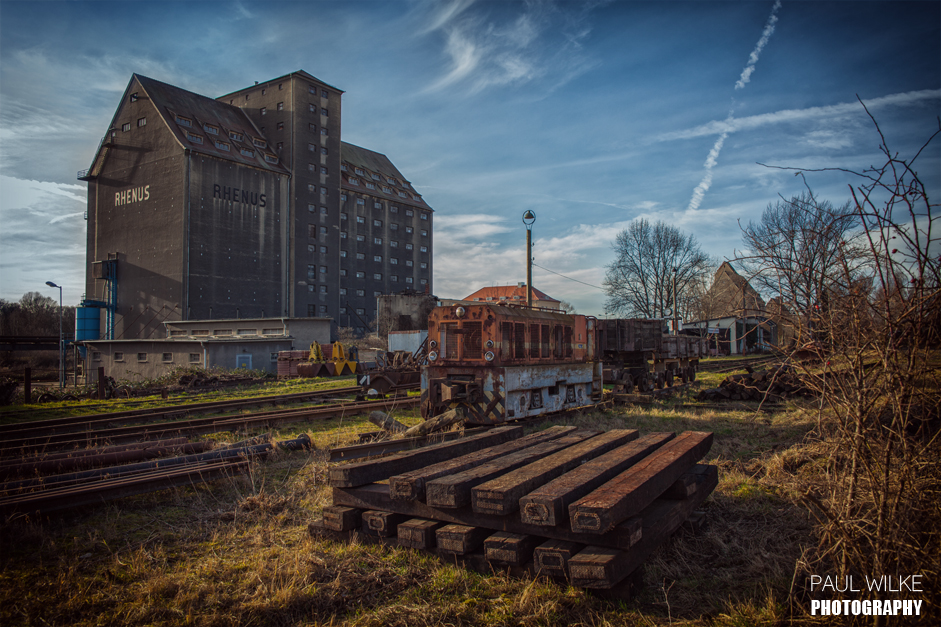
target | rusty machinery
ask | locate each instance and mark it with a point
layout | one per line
(496, 362)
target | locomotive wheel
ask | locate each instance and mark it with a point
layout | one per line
(627, 382)
(668, 378)
(684, 374)
(692, 373)
(660, 380)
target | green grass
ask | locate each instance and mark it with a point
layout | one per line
(237, 552)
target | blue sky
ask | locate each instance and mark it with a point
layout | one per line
(589, 113)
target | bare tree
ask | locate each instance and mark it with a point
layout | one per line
(877, 295)
(798, 250)
(640, 280)
(567, 307)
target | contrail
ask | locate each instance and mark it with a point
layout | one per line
(753, 57)
(713, 157)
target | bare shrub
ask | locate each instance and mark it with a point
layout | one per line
(872, 311)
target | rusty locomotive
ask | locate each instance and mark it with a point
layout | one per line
(496, 362)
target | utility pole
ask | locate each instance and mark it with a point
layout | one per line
(528, 218)
(675, 314)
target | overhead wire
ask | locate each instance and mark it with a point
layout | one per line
(567, 277)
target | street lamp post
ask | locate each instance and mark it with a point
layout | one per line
(675, 314)
(528, 218)
(61, 339)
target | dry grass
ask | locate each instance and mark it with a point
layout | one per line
(238, 553)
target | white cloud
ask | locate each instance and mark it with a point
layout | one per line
(831, 112)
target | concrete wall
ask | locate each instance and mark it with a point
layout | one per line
(238, 241)
(136, 360)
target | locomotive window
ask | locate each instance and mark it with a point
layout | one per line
(534, 341)
(506, 339)
(568, 341)
(519, 340)
(472, 340)
(545, 341)
(449, 339)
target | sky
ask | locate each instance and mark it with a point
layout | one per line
(589, 113)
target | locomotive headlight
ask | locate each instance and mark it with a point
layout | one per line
(489, 356)
(459, 312)
(432, 356)
(489, 343)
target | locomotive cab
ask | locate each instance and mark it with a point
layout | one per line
(498, 363)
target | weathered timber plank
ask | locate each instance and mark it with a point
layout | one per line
(552, 557)
(411, 485)
(636, 488)
(455, 490)
(460, 539)
(418, 533)
(548, 505)
(500, 496)
(376, 497)
(382, 524)
(604, 567)
(361, 473)
(623, 591)
(510, 548)
(338, 518)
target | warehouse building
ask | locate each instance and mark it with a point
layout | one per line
(245, 206)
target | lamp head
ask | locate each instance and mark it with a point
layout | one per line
(528, 218)
(51, 284)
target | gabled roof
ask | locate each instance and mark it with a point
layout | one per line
(205, 113)
(372, 163)
(508, 292)
(177, 107)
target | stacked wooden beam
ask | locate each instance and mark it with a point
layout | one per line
(564, 502)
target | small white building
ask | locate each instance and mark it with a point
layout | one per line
(251, 343)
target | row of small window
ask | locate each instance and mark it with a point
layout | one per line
(378, 205)
(314, 148)
(378, 259)
(373, 176)
(378, 241)
(355, 181)
(140, 122)
(167, 358)
(378, 223)
(223, 145)
(313, 190)
(264, 90)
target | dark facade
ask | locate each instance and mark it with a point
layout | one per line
(237, 207)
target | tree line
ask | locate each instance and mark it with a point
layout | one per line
(35, 314)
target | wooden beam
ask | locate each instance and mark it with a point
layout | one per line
(548, 505)
(411, 485)
(460, 539)
(362, 473)
(339, 518)
(510, 548)
(552, 557)
(604, 567)
(500, 496)
(382, 524)
(376, 497)
(455, 490)
(418, 533)
(636, 488)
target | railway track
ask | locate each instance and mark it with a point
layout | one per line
(32, 441)
(179, 409)
(730, 365)
(26, 447)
